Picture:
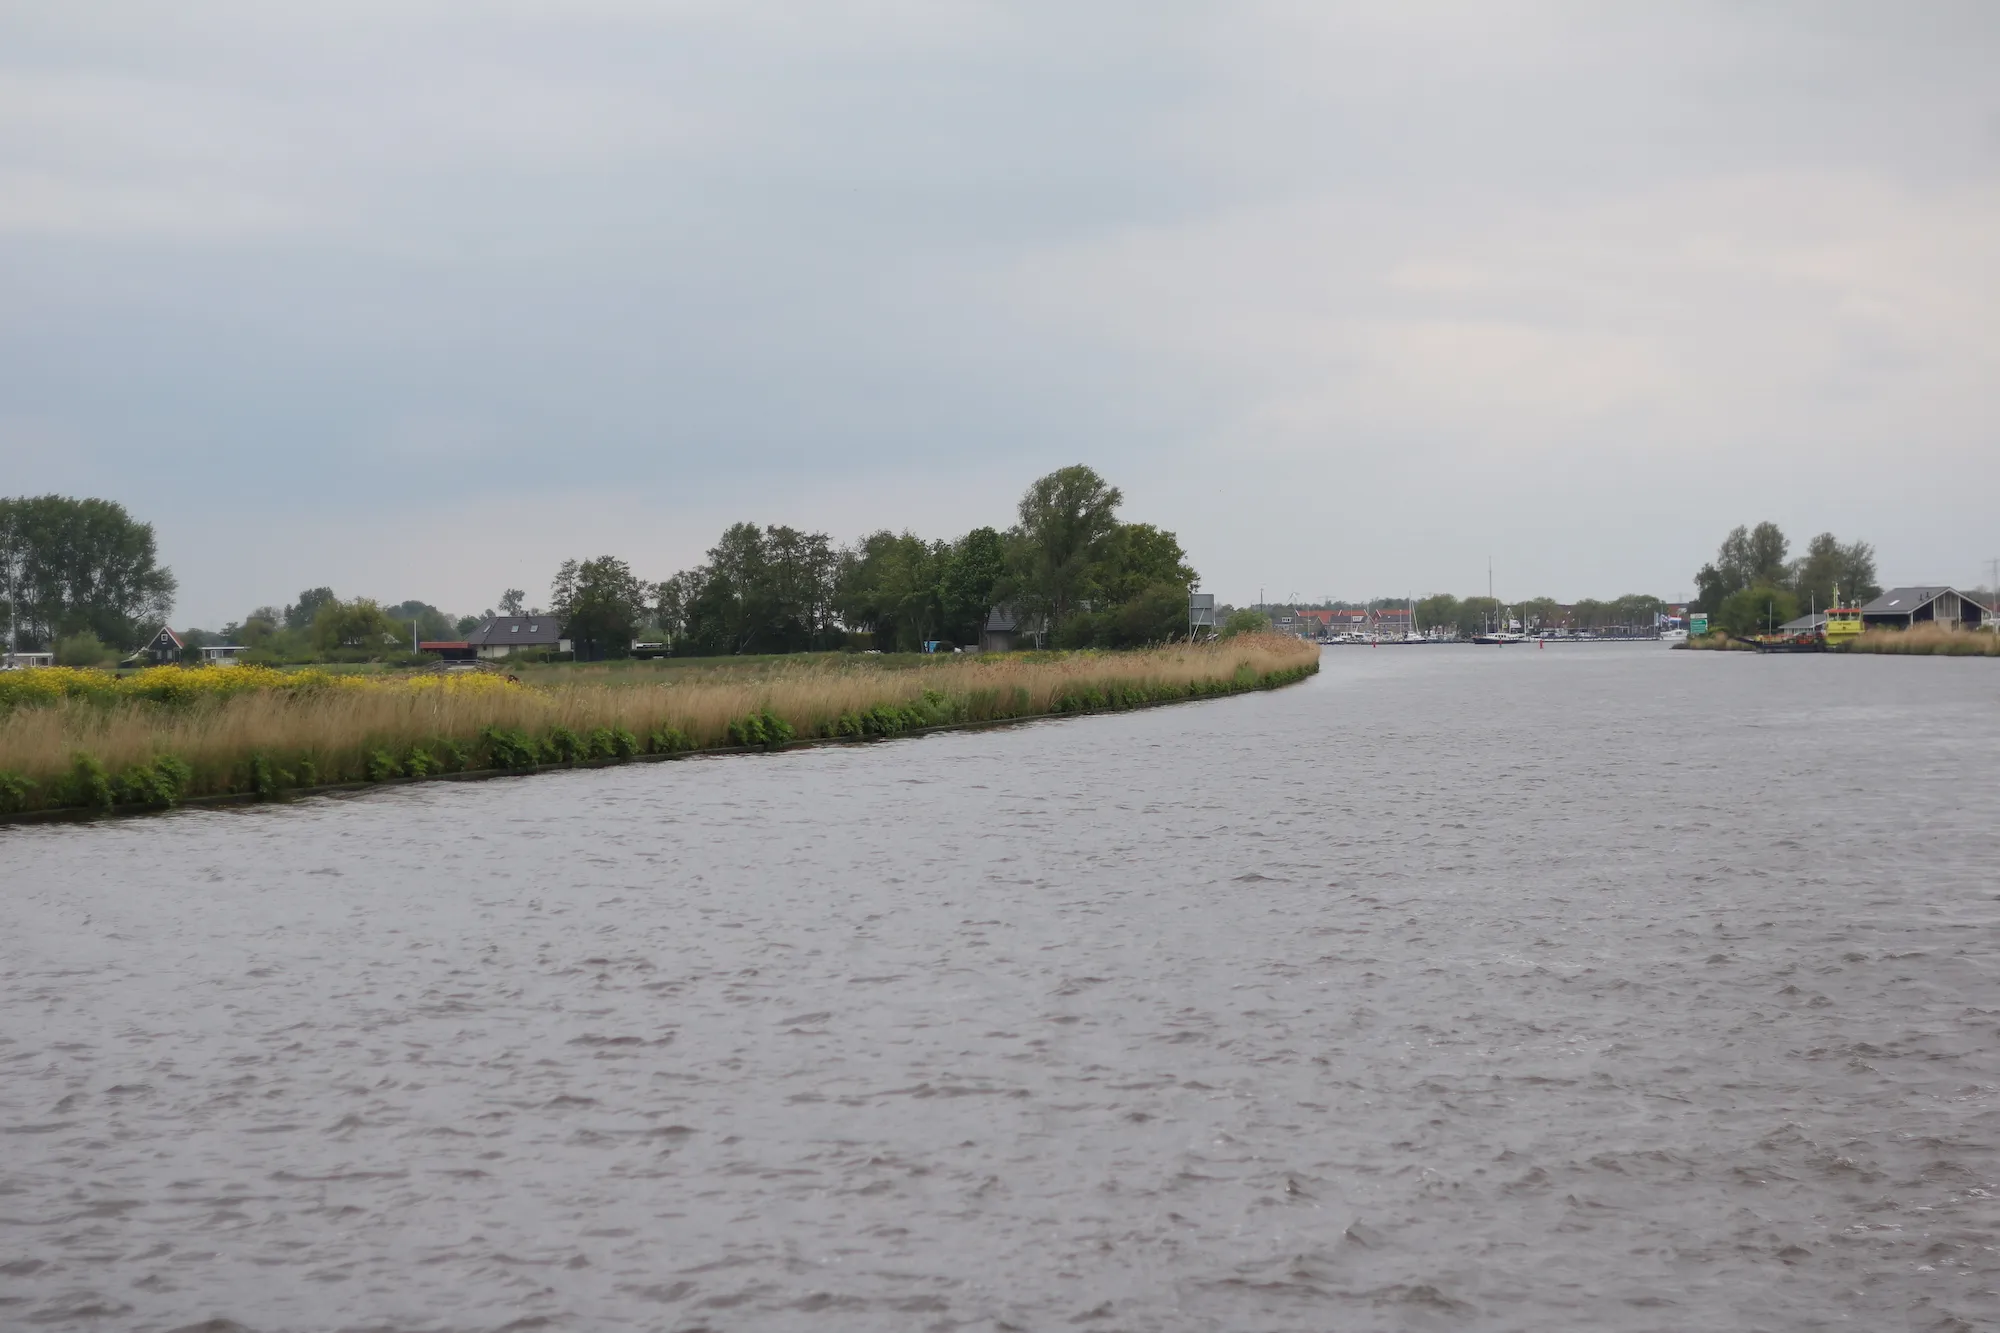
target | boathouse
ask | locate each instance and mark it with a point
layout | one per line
(1928, 603)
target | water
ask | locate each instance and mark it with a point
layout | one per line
(1601, 987)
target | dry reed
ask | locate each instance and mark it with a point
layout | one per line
(1929, 640)
(318, 736)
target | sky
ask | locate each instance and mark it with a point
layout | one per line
(419, 299)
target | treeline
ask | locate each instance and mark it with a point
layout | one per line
(1474, 615)
(80, 573)
(1069, 573)
(1753, 583)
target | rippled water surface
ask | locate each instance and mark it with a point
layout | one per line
(1600, 987)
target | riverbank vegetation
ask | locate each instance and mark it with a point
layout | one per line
(1752, 586)
(87, 739)
(1928, 641)
(1068, 573)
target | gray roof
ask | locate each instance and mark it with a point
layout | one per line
(518, 632)
(1804, 623)
(1902, 601)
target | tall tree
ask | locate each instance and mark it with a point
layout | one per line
(512, 601)
(889, 586)
(974, 568)
(1747, 557)
(600, 604)
(1065, 520)
(71, 566)
(1831, 564)
(300, 614)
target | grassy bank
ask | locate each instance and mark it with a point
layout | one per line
(85, 739)
(1923, 641)
(1928, 641)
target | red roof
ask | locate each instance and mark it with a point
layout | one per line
(435, 646)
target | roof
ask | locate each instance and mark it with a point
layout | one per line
(1804, 623)
(517, 631)
(438, 645)
(1000, 620)
(169, 634)
(1902, 601)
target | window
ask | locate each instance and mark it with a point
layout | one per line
(513, 629)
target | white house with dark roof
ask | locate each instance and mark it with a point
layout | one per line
(504, 635)
(1927, 603)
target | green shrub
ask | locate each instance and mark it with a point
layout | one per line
(88, 785)
(623, 743)
(564, 746)
(308, 773)
(599, 744)
(419, 763)
(159, 784)
(761, 728)
(382, 766)
(510, 749)
(668, 740)
(450, 756)
(15, 792)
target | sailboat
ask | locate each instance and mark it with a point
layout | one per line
(1410, 635)
(1503, 634)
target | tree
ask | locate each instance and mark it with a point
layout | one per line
(977, 562)
(1066, 518)
(1757, 609)
(889, 586)
(1829, 564)
(431, 623)
(69, 566)
(1439, 610)
(1748, 556)
(301, 614)
(360, 623)
(600, 604)
(466, 624)
(511, 602)
(1245, 621)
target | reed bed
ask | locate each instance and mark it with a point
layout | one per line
(89, 740)
(1929, 640)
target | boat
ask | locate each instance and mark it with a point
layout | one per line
(1673, 636)
(1410, 635)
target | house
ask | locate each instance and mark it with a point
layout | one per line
(1318, 622)
(1392, 620)
(221, 654)
(1002, 631)
(503, 635)
(448, 651)
(1351, 621)
(1928, 603)
(22, 661)
(164, 647)
(1812, 624)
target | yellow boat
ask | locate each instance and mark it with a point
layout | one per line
(1843, 626)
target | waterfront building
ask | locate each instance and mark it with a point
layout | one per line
(1925, 604)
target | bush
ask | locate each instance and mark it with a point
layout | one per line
(669, 740)
(382, 766)
(84, 650)
(510, 749)
(88, 785)
(159, 784)
(1750, 610)
(1245, 621)
(15, 792)
(565, 746)
(419, 763)
(761, 728)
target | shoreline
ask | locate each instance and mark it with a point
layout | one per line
(1093, 700)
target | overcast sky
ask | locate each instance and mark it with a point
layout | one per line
(418, 299)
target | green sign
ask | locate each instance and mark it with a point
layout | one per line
(1698, 622)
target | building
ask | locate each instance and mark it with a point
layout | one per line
(221, 654)
(1812, 624)
(1003, 631)
(449, 651)
(21, 661)
(504, 635)
(1351, 621)
(162, 648)
(1924, 604)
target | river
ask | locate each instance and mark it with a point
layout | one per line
(1601, 987)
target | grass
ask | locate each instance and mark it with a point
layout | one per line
(1929, 640)
(88, 739)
